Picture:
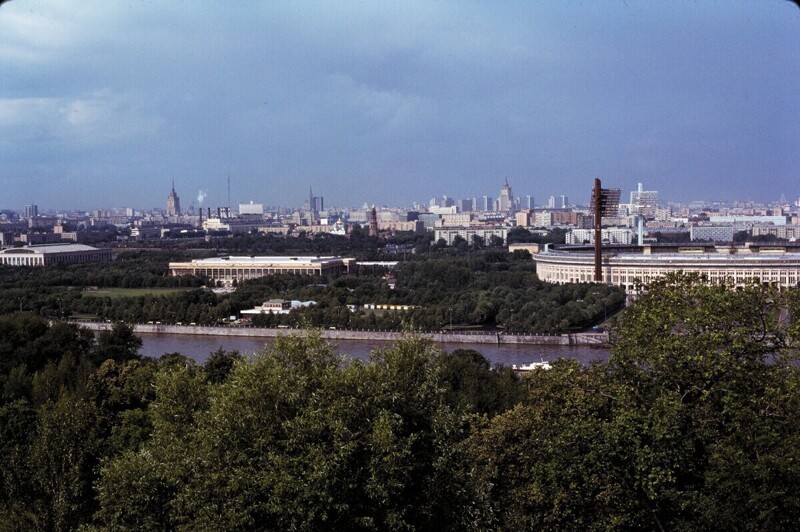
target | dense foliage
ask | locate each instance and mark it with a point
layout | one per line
(693, 423)
(490, 290)
(483, 290)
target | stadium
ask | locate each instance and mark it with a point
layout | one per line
(624, 265)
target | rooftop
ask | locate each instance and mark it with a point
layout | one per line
(266, 260)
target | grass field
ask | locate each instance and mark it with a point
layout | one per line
(116, 293)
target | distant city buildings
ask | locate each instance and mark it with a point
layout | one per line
(786, 232)
(314, 203)
(615, 235)
(483, 233)
(712, 232)
(644, 201)
(695, 221)
(527, 202)
(251, 209)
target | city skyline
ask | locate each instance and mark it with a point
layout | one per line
(103, 104)
(487, 203)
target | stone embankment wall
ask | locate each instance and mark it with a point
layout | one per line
(496, 338)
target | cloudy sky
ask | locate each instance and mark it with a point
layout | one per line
(104, 103)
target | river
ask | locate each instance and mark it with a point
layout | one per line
(199, 347)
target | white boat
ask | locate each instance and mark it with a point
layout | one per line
(532, 366)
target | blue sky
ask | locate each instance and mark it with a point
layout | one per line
(104, 103)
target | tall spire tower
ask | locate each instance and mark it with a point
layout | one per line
(505, 203)
(173, 202)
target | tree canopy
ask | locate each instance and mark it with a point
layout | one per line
(693, 423)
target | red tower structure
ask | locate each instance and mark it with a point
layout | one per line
(605, 202)
(373, 222)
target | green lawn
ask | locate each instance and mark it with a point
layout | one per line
(116, 293)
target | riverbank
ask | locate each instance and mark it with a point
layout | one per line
(493, 338)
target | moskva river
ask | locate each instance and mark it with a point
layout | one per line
(199, 347)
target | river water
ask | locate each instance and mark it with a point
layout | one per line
(198, 348)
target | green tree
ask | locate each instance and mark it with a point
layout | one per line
(137, 488)
(294, 439)
(699, 372)
(64, 457)
(219, 365)
(17, 428)
(119, 344)
(693, 423)
(471, 385)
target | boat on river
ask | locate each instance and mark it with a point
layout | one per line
(532, 366)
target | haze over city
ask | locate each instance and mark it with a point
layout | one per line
(106, 103)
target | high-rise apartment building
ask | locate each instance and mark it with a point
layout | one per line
(644, 201)
(527, 202)
(485, 204)
(444, 201)
(31, 211)
(314, 203)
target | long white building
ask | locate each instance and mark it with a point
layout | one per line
(228, 271)
(625, 265)
(612, 235)
(485, 232)
(47, 254)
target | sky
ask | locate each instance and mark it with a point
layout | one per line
(105, 103)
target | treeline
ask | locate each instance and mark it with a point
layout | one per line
(358, 243)
(483, 290)
(487, 291)
(693, 423)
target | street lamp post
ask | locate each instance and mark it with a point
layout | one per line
(451, 318)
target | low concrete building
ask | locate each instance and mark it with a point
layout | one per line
(714, 233)
(788, 232)
(273, 306)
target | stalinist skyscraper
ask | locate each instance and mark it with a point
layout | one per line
(173, 203)
(505, 203)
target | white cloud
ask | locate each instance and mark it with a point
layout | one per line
(38, 31)
(96, 119)
(389, 110)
